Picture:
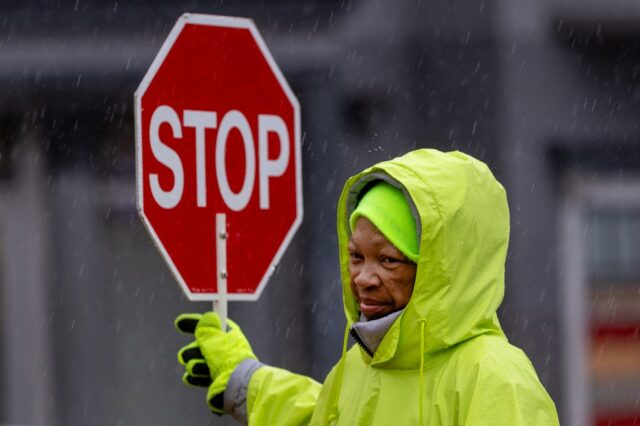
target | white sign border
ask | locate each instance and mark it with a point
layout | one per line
(225, 22)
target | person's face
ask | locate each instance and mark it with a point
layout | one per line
(382, 278)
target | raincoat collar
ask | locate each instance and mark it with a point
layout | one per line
(369, 334)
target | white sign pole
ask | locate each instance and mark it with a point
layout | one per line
(220, 305)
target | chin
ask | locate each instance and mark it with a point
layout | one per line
(377, 316)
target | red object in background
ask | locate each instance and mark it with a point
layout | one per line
(615, 359)
(218, 131)
(617, 331)
(619, 420)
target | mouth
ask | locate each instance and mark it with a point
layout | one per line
(371, 308)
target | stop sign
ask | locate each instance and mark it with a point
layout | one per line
(218, 132)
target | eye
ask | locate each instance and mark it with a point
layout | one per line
(390, 260)
(355, 256)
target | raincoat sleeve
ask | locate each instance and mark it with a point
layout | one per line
(280, 397)
(508, 394)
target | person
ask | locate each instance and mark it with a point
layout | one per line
(422, 246)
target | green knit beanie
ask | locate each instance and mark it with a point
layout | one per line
(387, 208)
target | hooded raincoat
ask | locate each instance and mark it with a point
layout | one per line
(444, 360)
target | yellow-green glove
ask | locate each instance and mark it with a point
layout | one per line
(196, 370)
(219, 351)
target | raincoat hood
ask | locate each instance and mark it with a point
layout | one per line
(463, 224)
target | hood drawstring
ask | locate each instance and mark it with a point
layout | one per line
(421, 391)
(333, 408)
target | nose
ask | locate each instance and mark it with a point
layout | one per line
(367, 277)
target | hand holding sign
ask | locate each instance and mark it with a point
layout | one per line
(214, 355)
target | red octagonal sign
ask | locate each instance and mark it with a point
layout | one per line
(218, 131)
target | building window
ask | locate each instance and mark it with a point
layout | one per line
(601, 303)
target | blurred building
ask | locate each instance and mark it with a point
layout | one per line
(547, 93)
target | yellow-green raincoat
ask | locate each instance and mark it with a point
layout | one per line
(445, 360)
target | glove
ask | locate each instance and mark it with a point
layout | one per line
(197, 372)
(212, 358)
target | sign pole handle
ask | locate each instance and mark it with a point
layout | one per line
(220, 305)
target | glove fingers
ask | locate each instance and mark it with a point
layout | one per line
(210, 319)
(198, 367)
(189, 352)
(210, 327)
(196, 380)
(186, 323)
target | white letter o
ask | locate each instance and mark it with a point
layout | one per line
(235, 119)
